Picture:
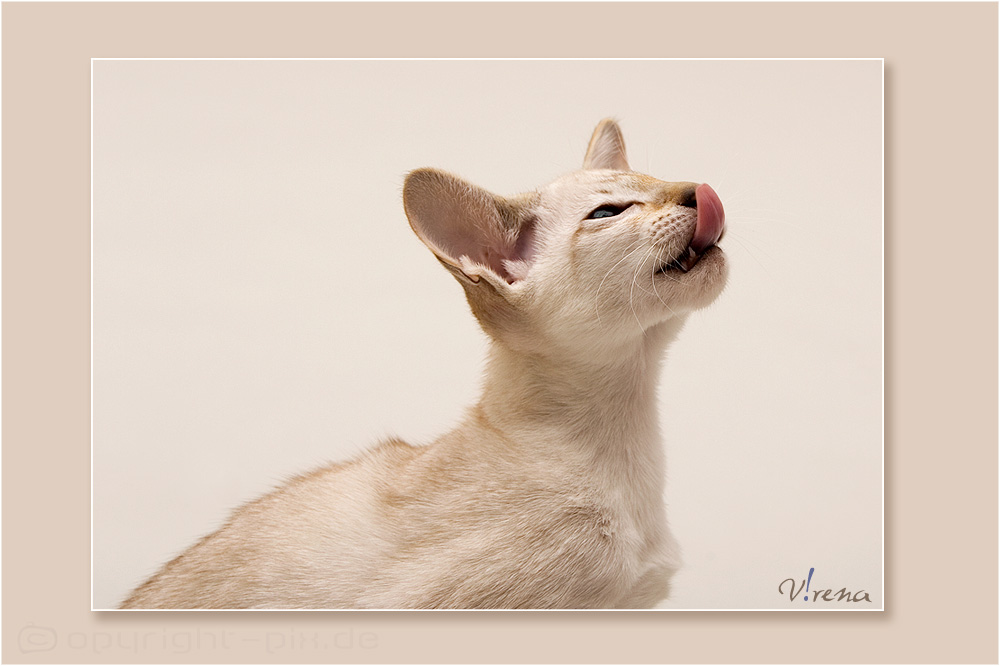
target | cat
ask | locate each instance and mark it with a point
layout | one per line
(549, 494)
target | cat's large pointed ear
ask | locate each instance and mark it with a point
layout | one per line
(607, 148)
(470, 230)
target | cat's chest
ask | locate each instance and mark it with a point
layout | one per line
(622, 488)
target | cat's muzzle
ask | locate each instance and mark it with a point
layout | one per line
(708, 231)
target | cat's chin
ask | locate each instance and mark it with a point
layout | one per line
(698, 285)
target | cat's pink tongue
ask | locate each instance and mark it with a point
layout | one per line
(711, 219)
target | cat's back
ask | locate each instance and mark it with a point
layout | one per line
(284, 548)
(404, 526)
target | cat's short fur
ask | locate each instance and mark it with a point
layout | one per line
(549, 494)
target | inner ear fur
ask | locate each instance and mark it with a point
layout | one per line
(469, 229)
(607, 148)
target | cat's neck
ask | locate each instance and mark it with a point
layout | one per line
(607, 404)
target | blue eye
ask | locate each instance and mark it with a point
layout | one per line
(608, 210)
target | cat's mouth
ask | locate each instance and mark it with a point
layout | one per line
(708, 231)
(685, 262)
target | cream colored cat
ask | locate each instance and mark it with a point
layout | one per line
(549, 494)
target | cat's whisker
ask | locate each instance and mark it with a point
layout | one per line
(738, 235)
(631, 249)
(762, 214)
(746, 206)
(652, 279)
(652, 269)
(720, 182)
(747, 234)
(597, 297)
(635, 274)
(767, 218)
(671, 278)
(660, 260)
(736, 238)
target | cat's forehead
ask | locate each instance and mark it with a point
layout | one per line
(603, 182)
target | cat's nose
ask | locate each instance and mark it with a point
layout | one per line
(687, 197)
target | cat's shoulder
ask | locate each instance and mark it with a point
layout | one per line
(375, 461)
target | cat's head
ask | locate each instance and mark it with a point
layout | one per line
(585, 264)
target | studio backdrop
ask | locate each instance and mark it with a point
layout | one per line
(261, 306)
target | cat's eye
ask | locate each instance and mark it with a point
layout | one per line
(607, 210)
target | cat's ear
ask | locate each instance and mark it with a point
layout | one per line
(607, 148)
(471, 231)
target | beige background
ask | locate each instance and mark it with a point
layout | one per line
(260, 303)
(936, 435)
